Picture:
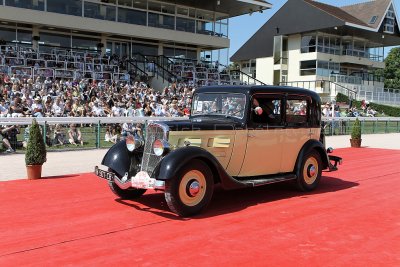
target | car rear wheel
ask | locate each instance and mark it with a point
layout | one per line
(309, 173)
(130, 193)
(191, 190)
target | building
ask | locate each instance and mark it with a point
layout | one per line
(178, 29)
(325, 48)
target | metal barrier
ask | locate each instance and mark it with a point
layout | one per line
(94, 128)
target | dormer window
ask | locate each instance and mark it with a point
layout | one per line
(373, 19)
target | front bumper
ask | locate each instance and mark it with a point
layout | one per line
(141, 180)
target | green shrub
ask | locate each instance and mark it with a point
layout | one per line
(356, 131)
(387, 110)
(36, 149)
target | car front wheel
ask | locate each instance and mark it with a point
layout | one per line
(191, 190)
(309, 173)
(130, 193)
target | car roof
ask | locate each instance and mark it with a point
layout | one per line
(257, 89)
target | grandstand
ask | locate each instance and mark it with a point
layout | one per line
(122, 40)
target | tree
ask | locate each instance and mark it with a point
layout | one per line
(392, 69)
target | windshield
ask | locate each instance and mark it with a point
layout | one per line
(226, 104)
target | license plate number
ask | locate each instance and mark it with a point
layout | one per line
(104, 174)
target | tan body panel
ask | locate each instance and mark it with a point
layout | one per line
(293, 140)
(250, 152)
(218, 142)
(263, 152)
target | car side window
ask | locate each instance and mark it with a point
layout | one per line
(266, 110)
(297, 112)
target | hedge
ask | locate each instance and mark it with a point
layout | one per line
(388, 110)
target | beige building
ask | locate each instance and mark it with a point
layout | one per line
(325, 48)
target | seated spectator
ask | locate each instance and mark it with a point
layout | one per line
(37, 107)
(75, 135)
(4, 138)
(111, 135)
(59, 136)
(3, 108)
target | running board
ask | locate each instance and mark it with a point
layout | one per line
(265, 181)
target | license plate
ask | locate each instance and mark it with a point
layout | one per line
(104, 174)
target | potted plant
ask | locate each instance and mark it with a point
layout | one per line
(355, 140)
(35, 152)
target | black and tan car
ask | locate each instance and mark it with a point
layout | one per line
(237, 137)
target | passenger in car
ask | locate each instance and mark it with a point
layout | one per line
(264, 112)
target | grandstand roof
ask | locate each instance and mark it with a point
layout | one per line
(232, 7)
(350, 20)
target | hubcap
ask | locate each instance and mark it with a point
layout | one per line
(310, 171)
(192, 188)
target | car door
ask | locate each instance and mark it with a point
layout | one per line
(264, 136)
(298, 129)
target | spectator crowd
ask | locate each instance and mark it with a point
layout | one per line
(45, 97)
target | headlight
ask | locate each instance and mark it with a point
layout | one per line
(133, 143)
(160, 147)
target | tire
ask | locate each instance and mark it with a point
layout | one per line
(309, 173)
(131, 193)
(195, 175)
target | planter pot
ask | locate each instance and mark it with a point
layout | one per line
(355, 142)
(34, 172)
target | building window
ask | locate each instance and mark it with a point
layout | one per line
(30, 4)
(308, 67)
(8, 35)
(389, 21)
(99, 11)
(308, 43)
(161, 21)
(68, 7)
(327, 68)
(84, 43)
(51, 39)
(132, 16)
(373, 19)
(186, 25)
(145, 49)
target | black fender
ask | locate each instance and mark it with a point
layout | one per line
(172, 163)
(118, 158)
(310, 145)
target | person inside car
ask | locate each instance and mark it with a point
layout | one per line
(264, 112)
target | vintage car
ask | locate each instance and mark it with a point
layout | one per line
(236, 136)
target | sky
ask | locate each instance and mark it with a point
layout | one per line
(243, 27)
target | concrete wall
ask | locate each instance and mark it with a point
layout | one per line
(265, 70)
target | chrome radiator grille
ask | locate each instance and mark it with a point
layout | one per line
(150, 160)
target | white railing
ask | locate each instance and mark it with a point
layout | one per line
(112, 120)
(84, 120)
(380, 97)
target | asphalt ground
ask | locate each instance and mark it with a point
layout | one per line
(351, 219)
(12, 166)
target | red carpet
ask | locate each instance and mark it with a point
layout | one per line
(353, 219)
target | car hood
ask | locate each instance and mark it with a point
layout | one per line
(203, 123)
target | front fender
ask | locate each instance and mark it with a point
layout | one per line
(118, 158)
(310, 145)
(173, 162)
